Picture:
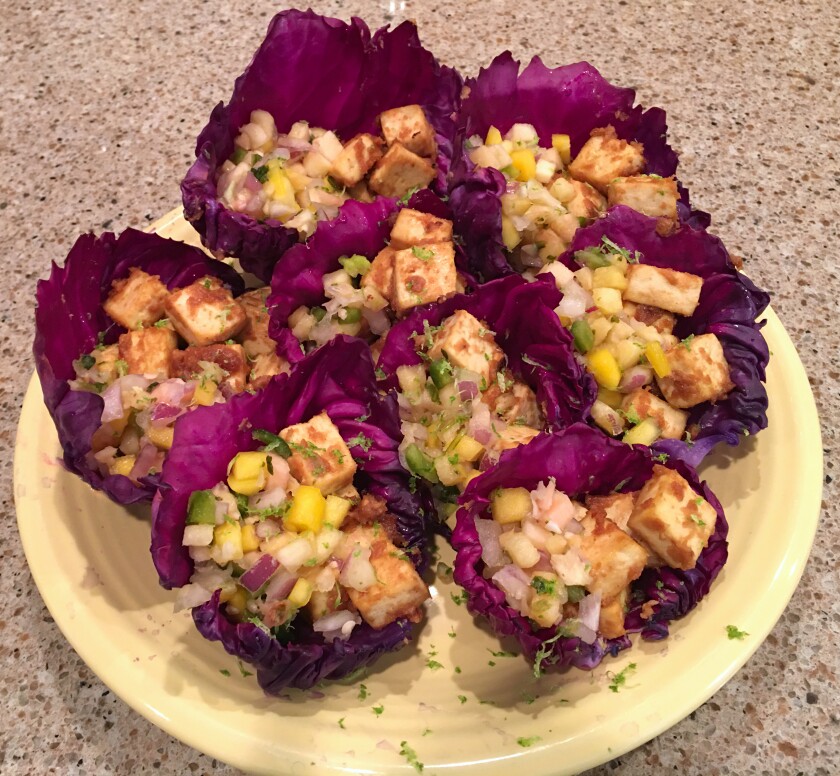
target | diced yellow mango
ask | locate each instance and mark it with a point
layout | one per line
(562, 144)
(247, 473)
(510, 236)
(494, 137)
(468, 449)
(205, 393)
(657, 359)
(307, 510)
(646, 433)
(525, 163)
(161, 438)
(250, 540)
(335, 510)
(236, 598)
(604, 368)
(610, 398)
(510, 505)
(301, 593)
(608, 300)
(123, 465)
(609, 277)
(229, 533)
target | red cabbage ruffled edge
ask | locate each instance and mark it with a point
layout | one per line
(573, 99)
(730, 305)
(69, 318)
(337, 378)
(582, 461)
(350, 81)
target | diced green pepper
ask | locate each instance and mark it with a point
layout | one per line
(441, 372)
(420, 464)
(576, 593)
(583, 336)
(354, 265)
(202, 508)
(318, 313)
(592, 258)
(238, 155)
(351, 315)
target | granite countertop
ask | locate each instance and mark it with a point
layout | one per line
(98, 115)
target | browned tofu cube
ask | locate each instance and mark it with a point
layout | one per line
(361, 192)
(400, 171)
(587, 202)
(423, 274)
(668, 289)
(356, 159)
(615, 559)
(699, 372)
(398, 592)
(616, 507)
(378, 282)
(514, 436)
(671, 519)
(613, 612)
(410, 127)
(644, 405)
(254, 334)
(148, 351)
(415, 228)
(604, 158)
(205, 312)
(136, 301)
(517, 405)
(319, 455)
(264, 367)
(468, 344)
(660, 319)
(196, 363)
(650, 195)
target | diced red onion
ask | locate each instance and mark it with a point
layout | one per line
(536, 533)
(488, 536)
(145, 460)
(543, 564)
(113, 409)
(256, 576)
(251, 183)
(589, 610)
(586, 634)
(515, 584)
(280, 586)
(173, 391)
(293, 144)
(483, 436)
(634, 378)
(164, 414)
(467, 390)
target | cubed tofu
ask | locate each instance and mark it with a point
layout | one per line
(400, 171)
(644, 404)
(355, 161)
(205, 312)
(136, 301)
(587, 201)
(650, 195)
(699, 372)
(410, 127)
(361, 192)
(615, 559)
(423, 274)
(676, 292)
(378, 282)
(671, 519)
(604, 158)
(264, 367)
(398, 592)
(660, 319)
(191, 364)
(616, 507)
(516, 405)
(415, 228)
(514, 436)
(148, 351)
(319, 455)
(254, 334)
(468, 344)
(611, 618)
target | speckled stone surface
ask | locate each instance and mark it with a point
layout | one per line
(98, 113)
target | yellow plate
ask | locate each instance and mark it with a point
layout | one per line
(91, 563)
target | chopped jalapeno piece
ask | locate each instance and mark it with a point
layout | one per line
(583, 336)
(441, 372)
(592, 258)
(318, 313)
(351, 315)
(576, 593)
(420, 464)
(202, 508)
(238, 155)
(354, 265)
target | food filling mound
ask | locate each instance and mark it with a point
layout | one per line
(192, 346)
(462, 406)
(365, 296)
(287, 534)
(569, 564)
(305, 175)
(549, 194)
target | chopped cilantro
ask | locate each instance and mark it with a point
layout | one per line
(462, 698)
(380, 374)
(697, 520)
(260, 173)
(87, 361)
(360, 440)
(544, 586)
(341, 723)
(531, 362)
(224, 672)
(411, 756)
(687, 439)
(686, 343)
(491, 663)
(662, 457)
(620, 679)
(377, 710)
(426, 732)
(457, 669)
(403, 200)
(459, 598)
(522, 741)
(307, 450)
(272, 443)
(362, 418)
(242, 669)
(502, 653)
(528, 699)
(121, 367)
(338, 455)
(363, 692)
(631, 416)
(451, 633)
(453, 459)
(659, 584)
(699, 500)
(733, 634)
